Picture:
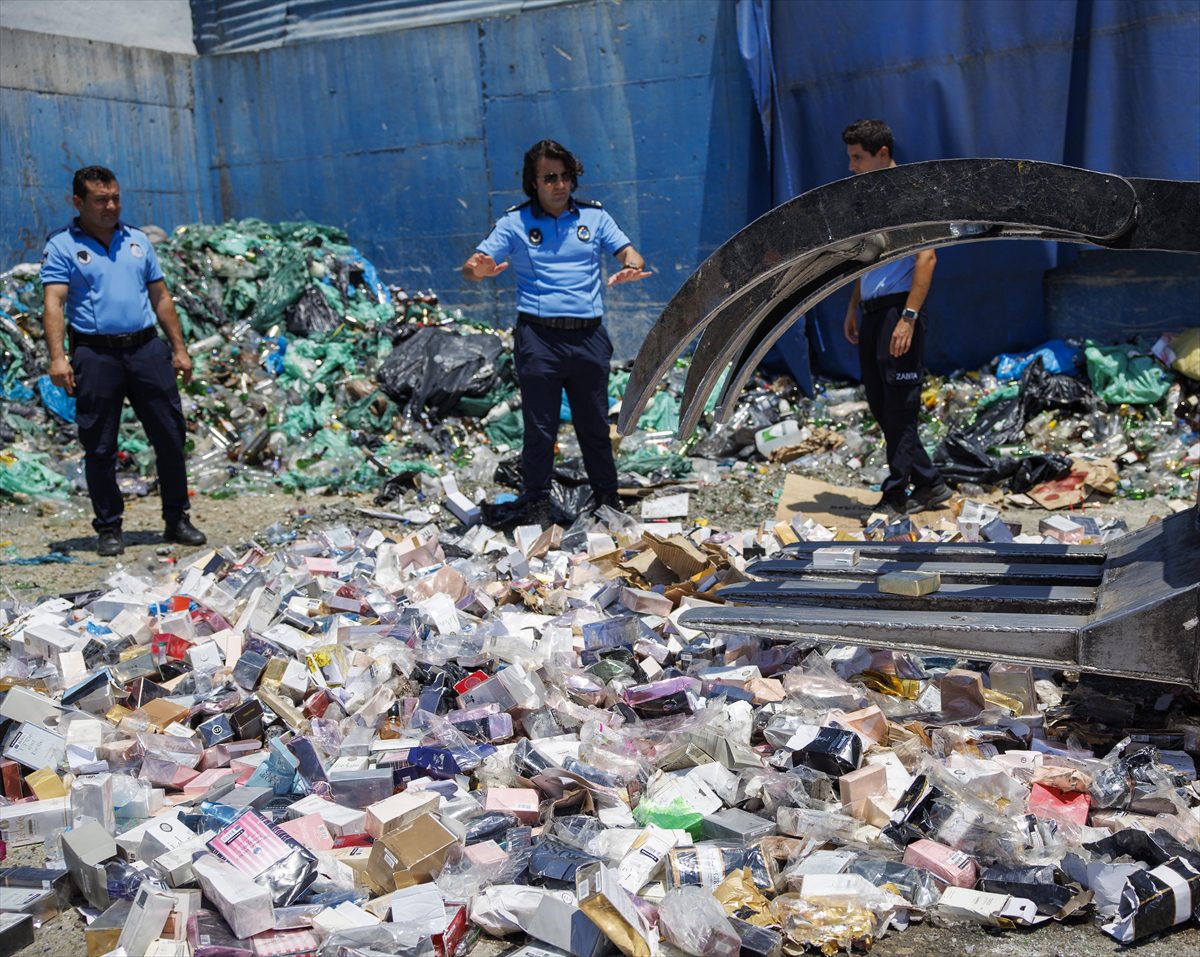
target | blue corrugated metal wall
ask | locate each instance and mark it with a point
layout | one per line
(66, 103)
(412, 140)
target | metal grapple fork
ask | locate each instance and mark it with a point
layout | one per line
(1131, 609)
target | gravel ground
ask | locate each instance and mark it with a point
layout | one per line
(740, 501)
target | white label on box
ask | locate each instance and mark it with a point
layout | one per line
(639, 865)
(35, 747)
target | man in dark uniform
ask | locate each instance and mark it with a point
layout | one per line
(555, 243)
(891, 344)
(101, 276)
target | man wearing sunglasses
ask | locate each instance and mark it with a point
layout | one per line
(555, 244)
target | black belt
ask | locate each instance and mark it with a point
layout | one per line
(883, 303)
(129, 340)
(561, 322)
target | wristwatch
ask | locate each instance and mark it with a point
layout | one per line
(909, 314)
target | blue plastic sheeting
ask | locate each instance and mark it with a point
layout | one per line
(1100, 84)
(56, 399)
(1056, 355)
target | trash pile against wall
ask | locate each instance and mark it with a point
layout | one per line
(364, 741)
(1126, 412)
(312, 375)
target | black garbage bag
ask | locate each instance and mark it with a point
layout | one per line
(999, 424)
(1036, 469)
(311, 314)
(568, 472)
(396, 486)
(1043, 390)
(963, 459)
(434, 368)
(1005, 421)
(508, 472)
(570, 501)
(570, 492)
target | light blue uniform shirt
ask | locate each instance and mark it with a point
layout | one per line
(106, 288)
(888, 279)
(556, 260)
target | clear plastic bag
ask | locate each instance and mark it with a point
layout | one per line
(692, 920)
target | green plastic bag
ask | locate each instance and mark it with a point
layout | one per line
(240, 298)
(661, 415)
(1122, 374)
(25, 473)
(302, 419)
(280, 290)
(1010, 391)
(676, 816)
(618, 382)
(648, 461)
(507, 430)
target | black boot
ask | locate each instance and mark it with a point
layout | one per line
(183, 532)
(930, 497)
(894, 503)
(109, 542)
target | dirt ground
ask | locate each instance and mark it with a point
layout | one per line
(740, 501)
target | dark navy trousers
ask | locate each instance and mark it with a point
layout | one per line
(549, 361)
(893, 385)
(104, 378)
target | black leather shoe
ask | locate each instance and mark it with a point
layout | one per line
(110, 543)
(184, 532)
(930, 497)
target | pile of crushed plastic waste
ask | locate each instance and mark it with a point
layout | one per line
(366, 741)
(309, 374)
(1130, 410)
(313, 375)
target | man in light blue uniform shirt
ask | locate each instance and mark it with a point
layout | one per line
(891, 344)
(555, 245)
(101, 276)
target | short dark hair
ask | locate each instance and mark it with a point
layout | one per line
(553, 150)
(91, 174)
(871, 135)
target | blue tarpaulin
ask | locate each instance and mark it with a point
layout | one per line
(1109, 85)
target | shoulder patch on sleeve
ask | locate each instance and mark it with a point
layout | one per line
(590, 203)
(513, 209)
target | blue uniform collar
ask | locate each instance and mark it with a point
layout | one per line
(536, 208)
(76, 229)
